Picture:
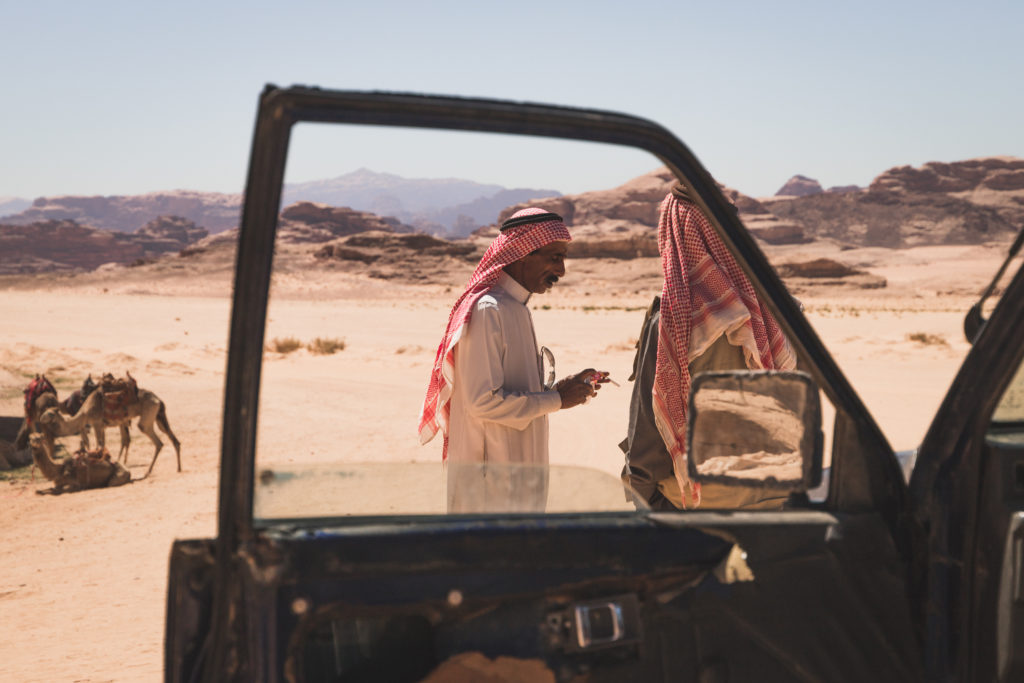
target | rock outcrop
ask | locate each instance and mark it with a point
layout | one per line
(448, 206)
(174, 231)
(826, 271)
(413, 257)
(630, 204)
(313, 222)
(622, 222)
(213, 211)
(965, 202)
(66, 245)
(616, 223)
(799, 186)
(1000, 174)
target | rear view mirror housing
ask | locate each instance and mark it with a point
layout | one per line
(755, 428)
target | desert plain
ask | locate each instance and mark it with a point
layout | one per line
(83, 575)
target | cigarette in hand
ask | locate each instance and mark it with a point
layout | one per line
(599, 377)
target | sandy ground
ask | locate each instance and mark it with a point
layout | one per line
(83, 575)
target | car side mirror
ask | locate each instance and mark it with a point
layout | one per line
(755, 428)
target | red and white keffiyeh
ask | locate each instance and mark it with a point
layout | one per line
(705, 294)
(511, 244)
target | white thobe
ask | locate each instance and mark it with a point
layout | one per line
(499, 408)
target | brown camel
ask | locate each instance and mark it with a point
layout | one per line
(71, 405)
(39, 396)
(140, 403)
(75, 399)
(77, 473)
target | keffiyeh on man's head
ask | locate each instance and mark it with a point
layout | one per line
(523, 233)
(705, 295)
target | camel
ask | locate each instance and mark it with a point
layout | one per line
(139, 403)
(39, 397)
(77, 473)
(73, 403)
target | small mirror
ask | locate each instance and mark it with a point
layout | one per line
(760, 429)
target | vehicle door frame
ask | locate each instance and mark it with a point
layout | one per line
(865, 474)
(946, 488)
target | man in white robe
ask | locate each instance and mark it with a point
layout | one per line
(486, 392)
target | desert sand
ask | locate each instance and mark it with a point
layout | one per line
(83, 575)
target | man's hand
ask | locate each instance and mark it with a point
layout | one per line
(576, 389)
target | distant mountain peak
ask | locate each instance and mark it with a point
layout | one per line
(368, 173)
(451, 206)
(799, 186)
(11, 205)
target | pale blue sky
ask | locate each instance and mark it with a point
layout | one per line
(130, 97)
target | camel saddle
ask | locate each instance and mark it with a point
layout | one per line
(81, 468)
(118, 394)
(36, 388)
(73, 403)
(91, 456)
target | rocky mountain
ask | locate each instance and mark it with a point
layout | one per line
(173, 231)
(52, 245)
(312, 222)
(66, 245)
(309, 223)
(449, 206)
(210, 210)
(616, 223)
(461, 220)
(963, 202)
(802, 186)
(840, 189)
(799, 186)
(13, 205)
(622, 222)
(413, 257)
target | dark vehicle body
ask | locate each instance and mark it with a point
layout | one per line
(882, 580)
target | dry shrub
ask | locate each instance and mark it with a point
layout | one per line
(628, 345)
(928, 339)
(285, 344)
(412, 348)
(323, 347)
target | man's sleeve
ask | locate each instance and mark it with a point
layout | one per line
(479, 358)
(647, 459)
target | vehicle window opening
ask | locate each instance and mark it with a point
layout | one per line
(346, 273)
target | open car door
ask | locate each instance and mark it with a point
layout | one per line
(968, 500)
(841, 588)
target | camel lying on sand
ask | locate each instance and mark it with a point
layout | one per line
(77, 473)
(140, 403)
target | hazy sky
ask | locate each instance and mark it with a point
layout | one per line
(117, 98)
